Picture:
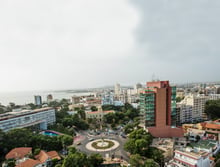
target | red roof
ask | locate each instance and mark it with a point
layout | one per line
(95, 112)
(18, 153)
(212, 126)
(42, 156)
(28, 163)
(53, 155)
(165, 132)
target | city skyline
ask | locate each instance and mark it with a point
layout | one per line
(56, 45)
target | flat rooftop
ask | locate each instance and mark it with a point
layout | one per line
(192, 153)
(207, 144)
(14, 114)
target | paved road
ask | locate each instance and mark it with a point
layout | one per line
(118, 152)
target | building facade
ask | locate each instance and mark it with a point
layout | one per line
(75, 100)
(158, 109)
(158, 104)
(108, 99)
(26, 118)
(49, 98)
(117, 89)
(38, 100)
(190, 158)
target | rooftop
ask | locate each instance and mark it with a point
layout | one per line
(96, 112)
(28, 163)
(189, 152)
(207, 144)
(53, 155)
(18, 153)
(21, 113)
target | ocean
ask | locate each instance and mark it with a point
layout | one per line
(21, 98)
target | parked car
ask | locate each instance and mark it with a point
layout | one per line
(91, 139)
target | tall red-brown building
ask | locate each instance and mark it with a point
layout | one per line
(158, 106)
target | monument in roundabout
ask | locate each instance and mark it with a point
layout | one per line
(102, 145)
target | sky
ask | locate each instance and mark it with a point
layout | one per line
(74, 44)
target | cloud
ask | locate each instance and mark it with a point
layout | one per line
(178, 30)
(68, 44)
(54, 39)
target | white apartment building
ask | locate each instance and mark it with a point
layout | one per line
(137, 88)
(214, 96)
(117, 89)
(26, 118)
(187, 157)
(197, 102)
(185, 114)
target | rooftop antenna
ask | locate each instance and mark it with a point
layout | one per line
(153, 77)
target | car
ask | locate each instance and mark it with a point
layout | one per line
(124, 136)
(91, 139)
(79, 143)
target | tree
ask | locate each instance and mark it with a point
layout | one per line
(155, 154)
(10, 163)
(37, 151)
(197, 138)
(67, 122)
(109, 118)
(136, 160)
(79, 123)
(138, 142)
(95, 160)
(33, 106)
(2, 110)
(71, 150)
(75, 160)
(212, 109)
(66, 140)
(128, 128)
(54, 104)
(94, 108)
(18, 138)
(150, 163)
(82, 114)
(130, 146)
(58, 165)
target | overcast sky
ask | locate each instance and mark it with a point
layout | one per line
(70, 44)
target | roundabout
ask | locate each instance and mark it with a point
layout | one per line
(102, 145)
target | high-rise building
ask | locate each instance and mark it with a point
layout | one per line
(107, 98)
(38, 100)
(137, 88)
(49, 98)
(75, 99)
(117, 89)
(158, 108)
(198, 106)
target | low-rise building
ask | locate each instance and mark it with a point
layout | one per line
(26, 118)
(108, 98)
(166, 145)
(187, 157)
(98, 114)
(22, 156)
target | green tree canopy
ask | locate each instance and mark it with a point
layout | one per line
(75, 160)
(150, 163)
(66, 140)
(212, 109)
(94, 108)
(138, 142)
(136, 160)
(95, 160)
